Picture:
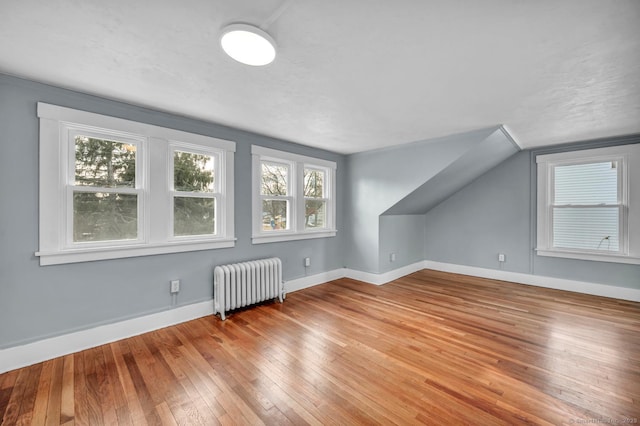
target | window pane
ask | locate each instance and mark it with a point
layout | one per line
(104, 163)
(313, 183)
(192, 172)
(99, 216)
(274, 179)
(193, 216)
(315, 214)
(592, 183)
(275, 214)
(586, 228)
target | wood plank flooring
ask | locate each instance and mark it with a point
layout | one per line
(431, 348)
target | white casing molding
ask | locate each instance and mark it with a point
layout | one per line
(42, 350)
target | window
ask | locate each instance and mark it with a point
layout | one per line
(112, 188)
(193, 192)
(315, 198)
(104, 189)
(275, 195)
(294, 196)
(588, 205)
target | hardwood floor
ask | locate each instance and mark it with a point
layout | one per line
(431, 348)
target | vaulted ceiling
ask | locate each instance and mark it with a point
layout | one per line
(351, 75)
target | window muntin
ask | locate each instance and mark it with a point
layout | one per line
(294, 196)
(118, 176)
(588, 204)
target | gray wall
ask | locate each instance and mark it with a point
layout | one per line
(38, 302)
(497, 213)
(488, 216)
(404, 236)
(377, 180)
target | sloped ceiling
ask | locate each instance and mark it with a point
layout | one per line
(484, 156)
(351, 75)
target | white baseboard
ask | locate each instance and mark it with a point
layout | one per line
(368, 277)
(42, 350)
(539, 281)
(379, 279)
(306, 282)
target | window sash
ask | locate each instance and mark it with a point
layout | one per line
(191, 149)
(588, 183)
(327, 206)
(290, 213)
(583, 236)
(288, 181)
(76, 130)
(216, 221)
(70, 217)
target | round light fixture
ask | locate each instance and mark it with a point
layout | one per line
(248, 44)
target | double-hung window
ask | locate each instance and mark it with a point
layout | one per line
(276, 195)
(588, 205)
(105, 191)
(293, 196)
(113, 188)
(316, 197)
(194, 191)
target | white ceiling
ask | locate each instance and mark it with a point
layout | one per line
(351, 75)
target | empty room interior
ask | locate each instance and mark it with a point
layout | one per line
(320, 212)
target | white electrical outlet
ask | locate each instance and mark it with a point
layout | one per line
(502, 257)
(307, 262)
(175, 286)
(392, 257)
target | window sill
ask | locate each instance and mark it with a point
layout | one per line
(589, 256)
(270, 238)
(104, 253)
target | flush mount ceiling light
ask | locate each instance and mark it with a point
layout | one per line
(248, 44)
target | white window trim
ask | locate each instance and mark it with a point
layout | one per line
(629, 180)
(154, 227)
(297, 163)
